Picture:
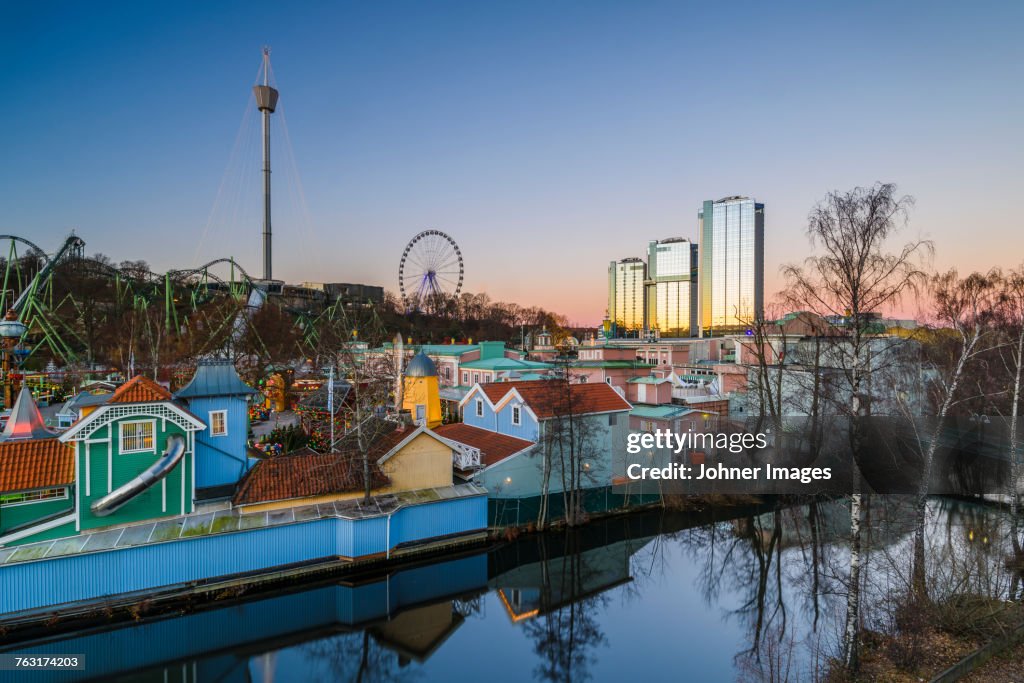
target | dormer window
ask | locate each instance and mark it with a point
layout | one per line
(479, 407)
(517, 415)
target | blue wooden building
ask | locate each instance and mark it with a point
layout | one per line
(219, 397)
(507, 432)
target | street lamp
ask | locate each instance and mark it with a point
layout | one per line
(11, 332)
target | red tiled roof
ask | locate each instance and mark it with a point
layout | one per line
(140, 389)
(547, 398)
(493, 447)
(303, 474)
(35, 464)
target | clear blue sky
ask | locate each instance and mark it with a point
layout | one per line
(547, 137)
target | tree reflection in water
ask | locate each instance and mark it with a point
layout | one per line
(760, 597)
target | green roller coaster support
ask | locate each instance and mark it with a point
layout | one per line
(168, 302)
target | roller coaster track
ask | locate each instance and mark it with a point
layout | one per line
(57, 318)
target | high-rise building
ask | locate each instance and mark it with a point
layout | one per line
(626, 296)
(672, 287)
(731, 274)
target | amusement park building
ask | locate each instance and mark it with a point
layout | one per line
(463, 365)
(111, 508)
(506, 425)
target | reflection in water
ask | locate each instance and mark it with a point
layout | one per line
(667, 596)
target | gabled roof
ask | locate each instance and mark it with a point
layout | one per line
(27, 464)
(25, 422)
(215, 377)
(393, 443)
(550, 399)
(83, 399)
(140, 389)
(304, 474)
(493, 447)
(185, 419)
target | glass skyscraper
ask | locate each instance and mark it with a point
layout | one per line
(731, 273)
(626, 309)
(672, 287)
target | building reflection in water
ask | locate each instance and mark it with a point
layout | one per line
(748, 596)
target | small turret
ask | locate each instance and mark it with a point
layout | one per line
(421, 392)
(219, 397)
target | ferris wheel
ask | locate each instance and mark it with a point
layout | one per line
(431, 269)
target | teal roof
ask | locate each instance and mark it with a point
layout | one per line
(697, 378)
(504, 364)
(431, 349)
(446, 349)
(215, 378)
(662, 412)
(648, 380)
(529, 376)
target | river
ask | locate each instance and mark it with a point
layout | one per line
(737, 594)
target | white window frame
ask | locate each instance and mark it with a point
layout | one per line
(120, 437)
(63, 496)
(479, 407)
(517, 416)
(465, 378)
(213, 431)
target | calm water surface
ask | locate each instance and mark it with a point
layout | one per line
(652, 597)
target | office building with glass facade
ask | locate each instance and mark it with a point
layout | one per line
(731, 274)
(626, 309)
(672, 287)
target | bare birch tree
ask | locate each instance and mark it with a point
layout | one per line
(853, 274)
(962, 319)
(1011, 321)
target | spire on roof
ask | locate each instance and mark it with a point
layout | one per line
(26, 422)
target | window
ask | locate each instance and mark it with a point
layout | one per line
(517, 415)
(608, 380)
(465, 378)
(479, 407)
(218, 423)
(583, 379)
(476, 378)
(137, 437)
(612, 419)
(33, 496)
(448, 372)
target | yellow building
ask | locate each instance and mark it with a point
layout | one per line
(405, 459)
(420, 391)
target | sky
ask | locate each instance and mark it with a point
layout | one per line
(547, 138)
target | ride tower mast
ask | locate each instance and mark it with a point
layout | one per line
(266, 101)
